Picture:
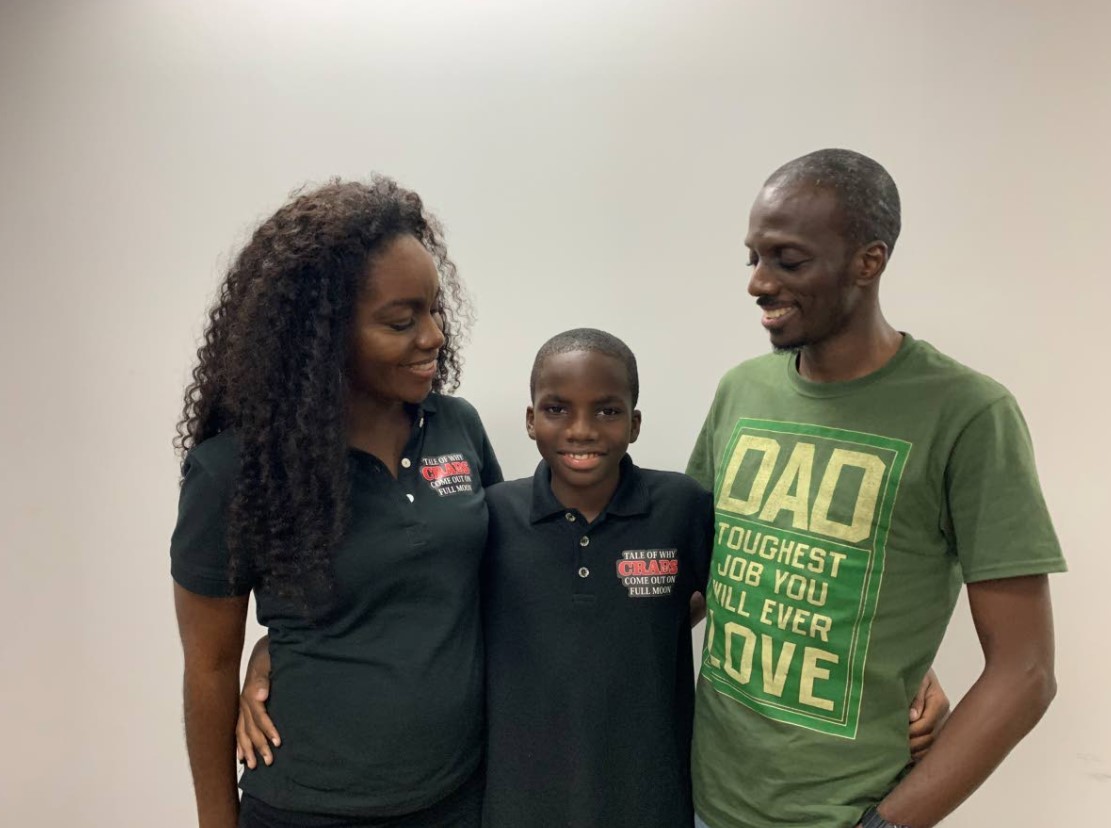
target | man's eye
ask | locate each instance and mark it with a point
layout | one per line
(554, 409)
(753, 260)
(610, 412)
(792, 264)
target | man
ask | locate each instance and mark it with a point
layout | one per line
(859, 477)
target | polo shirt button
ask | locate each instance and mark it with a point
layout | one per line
(406, 462)
(584, 541)
(570, 517)
(584, 572)
(411, 498)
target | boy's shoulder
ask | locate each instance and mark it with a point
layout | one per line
(510, 494)
(671, 484)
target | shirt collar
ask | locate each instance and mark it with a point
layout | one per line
(424, 407)
(631, 497)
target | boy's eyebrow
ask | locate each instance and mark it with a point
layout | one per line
(609, 399)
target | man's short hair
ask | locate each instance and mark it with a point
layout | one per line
(587, 339)
(866, 193)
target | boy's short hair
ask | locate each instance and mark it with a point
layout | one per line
(587, 339)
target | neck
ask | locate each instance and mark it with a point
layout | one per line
(368, 419)
(590, 500)
(851, 355)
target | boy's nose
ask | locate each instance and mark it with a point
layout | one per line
(581, 428)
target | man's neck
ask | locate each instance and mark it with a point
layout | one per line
(851, 356)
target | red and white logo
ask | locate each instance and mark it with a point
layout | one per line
(648, 573)
(447, 474)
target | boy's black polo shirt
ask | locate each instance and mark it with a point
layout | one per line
(590, 681)
(379, 704)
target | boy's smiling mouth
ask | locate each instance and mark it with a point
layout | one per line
(581, 460)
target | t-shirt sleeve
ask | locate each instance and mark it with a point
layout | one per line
(998, 519)
(701, 463)
(199, 557)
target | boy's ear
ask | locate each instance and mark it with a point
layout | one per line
(528, 423)
(634, 431)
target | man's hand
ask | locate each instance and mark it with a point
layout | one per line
(1014, 622)
(255, 731)
(928, 713)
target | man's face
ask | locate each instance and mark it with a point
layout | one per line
(803, 268)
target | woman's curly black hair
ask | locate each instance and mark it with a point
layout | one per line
(272, 367)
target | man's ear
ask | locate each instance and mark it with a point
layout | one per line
(528, 423)
(634, 431)
(870, 263)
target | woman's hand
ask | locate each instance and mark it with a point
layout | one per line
(255, 732)
(928, 713)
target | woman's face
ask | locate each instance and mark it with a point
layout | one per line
(398, 328)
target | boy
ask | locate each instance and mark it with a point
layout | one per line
(590, 567)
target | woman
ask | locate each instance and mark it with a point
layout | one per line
(325, 471)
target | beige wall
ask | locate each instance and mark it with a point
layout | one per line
(594, 163)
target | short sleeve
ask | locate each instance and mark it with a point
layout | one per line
(490, 470)
(491, 473)
(998, 519)
(701, 463)
(199, 557)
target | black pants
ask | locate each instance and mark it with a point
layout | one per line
(461, 809)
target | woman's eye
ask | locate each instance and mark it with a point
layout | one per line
(401, 326)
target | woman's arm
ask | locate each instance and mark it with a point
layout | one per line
(212, 640)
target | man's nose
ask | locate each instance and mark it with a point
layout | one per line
(761, 282)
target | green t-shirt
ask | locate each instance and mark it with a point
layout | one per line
(847, 515)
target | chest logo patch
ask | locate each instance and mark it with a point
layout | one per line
(447, 474)
(648, 573)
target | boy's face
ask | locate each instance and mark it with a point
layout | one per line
(582, 420)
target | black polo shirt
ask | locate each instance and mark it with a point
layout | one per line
(590, 679)
(379, 703)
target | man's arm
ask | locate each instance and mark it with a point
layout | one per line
(212, 640)
(1014, 621)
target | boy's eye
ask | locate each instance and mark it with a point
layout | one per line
(554, 409)
(610, 412)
